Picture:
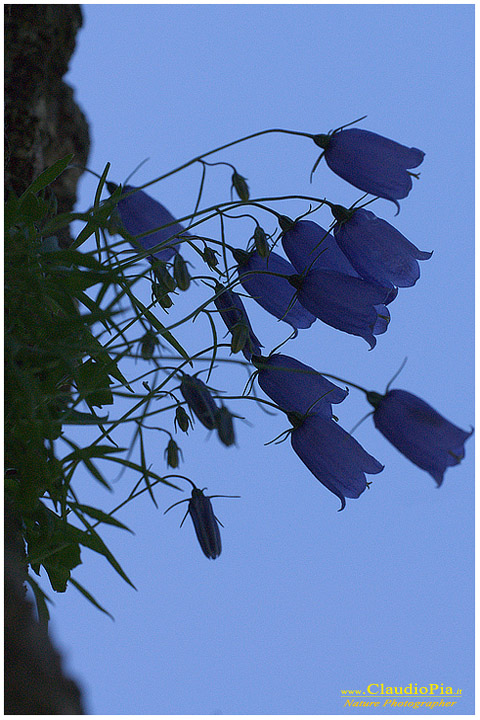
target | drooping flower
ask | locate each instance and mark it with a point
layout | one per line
(296, 387)
(418, 431)
(336, 459)
(371, 162)
(199, 400)
(377, 251)
(140, 213)
(307, 244)
(342, 301)
(233, 313)
(261, 279)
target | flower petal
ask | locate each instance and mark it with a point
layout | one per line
(296, 387)
(372, 163)
(419, 432)
(231, 308)
(343, 302)
(334, 457)
(378, 251)
(140, 213)
(274, 293)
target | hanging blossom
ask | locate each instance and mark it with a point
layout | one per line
(370, 162)
(296, 387)
(233, 313)
(333, 456)
(336, 459)
(377, 251)
(418, 431)
(344, 302)
(261, 279)
(307, 244)
(140, 213)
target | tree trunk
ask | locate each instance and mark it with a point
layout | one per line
(42, 125)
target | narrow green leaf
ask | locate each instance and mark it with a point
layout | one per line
(40, 601)
(91, 451)
(90, 597)
(75, 417)
(101, 516)
(49, 175)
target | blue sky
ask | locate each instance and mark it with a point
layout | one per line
(304, 601)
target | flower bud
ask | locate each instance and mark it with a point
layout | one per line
(182, 419)
(261, 242)
(147, 345)
(180, 273)
(240, 333)
(165, 301)
(224, 420)
(241, 187)
(171, 453)
(163, 276)
(210, 257)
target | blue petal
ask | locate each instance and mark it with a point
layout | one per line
(296, 387)
(378, 251)
(140, 213)
(372, 163)
(343, 302)
(309, 245)
(420, 433)
(273, 293)
(199, 400)
(334, 457)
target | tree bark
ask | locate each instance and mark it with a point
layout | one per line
(42, 125)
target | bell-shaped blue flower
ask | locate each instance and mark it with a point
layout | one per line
(296, 387)
(233, 313)
(377, 251)
(341, 301)
(332, 455)
(307, 244)
(371, 162)
(418, 431)
(199, 400)
(140, 213)
(261, 279)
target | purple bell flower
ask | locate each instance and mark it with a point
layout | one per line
(140, 213)
(377, 251)
(307, 244)
(371, 162)
(233, 313)
(273, 293)
(336, 459)
(296, 387)
(342, 301)
(418, 431)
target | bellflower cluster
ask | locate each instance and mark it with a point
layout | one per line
(346, 277)
(333, 456)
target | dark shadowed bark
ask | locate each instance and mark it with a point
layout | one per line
(42, 125)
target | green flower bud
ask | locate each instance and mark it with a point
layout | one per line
(224, 423)
(172, 454)
(241, 187)
(163, 276)
(240, 333)
(261, 242)
(182, 419)
(180, 273)
(165, 301)
(210, 257)
(148, 344)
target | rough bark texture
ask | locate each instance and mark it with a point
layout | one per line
(42, 125)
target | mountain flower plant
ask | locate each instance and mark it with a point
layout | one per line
(124, 297)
